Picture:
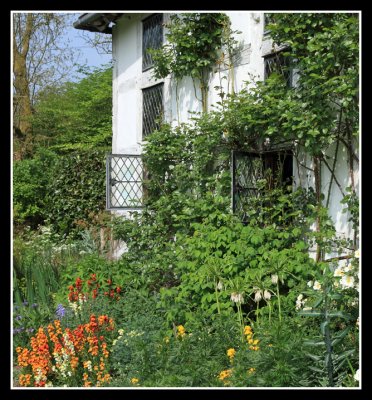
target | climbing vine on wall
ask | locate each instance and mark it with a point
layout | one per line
(194, 46)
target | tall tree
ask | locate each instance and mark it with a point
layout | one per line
(41, 57)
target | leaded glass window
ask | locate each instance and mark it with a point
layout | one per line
(124, 181)
(248, 168)
(153, 108)
(152, 38)
(278, 63)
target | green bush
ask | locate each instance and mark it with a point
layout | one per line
(30, 180)
(76, 191)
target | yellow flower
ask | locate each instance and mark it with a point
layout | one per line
(231, 353)
(181, 330)
(250, 341)
(247, 330)
(166, 339)
(224, 374)
(134, 381)
(255, 341)
(251, 370)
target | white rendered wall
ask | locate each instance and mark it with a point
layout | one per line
(129, 80)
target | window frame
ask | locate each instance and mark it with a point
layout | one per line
(160, 114)
(146, 67)
(278, 56)
(268, 159)
(110, 182)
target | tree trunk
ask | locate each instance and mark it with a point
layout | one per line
(22, 109)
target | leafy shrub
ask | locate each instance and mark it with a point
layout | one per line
(76, 191)
(30, 180)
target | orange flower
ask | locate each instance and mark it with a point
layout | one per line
(25, 380)
(56, 350)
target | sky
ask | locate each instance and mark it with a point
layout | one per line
(89, 55)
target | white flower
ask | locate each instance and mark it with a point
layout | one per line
(171, 166)
(357, 253)
(236, 297)
(267, 295)
(258, 296)
(274, 279)
(310, 283)
(82, 298)
(114, 342)
(69, 373)
(357, 322)
(300, 302)
(357, 375)
(307, 308)
(189, 34)
(338, 272)
(347, 281)
(317, 285)
(121, 332)
(220, 285)
(49, 384)
(348, 268)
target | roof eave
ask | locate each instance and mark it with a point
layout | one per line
(96, 22)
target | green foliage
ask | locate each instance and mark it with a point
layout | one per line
(30, 180)
(76, 115)
(324, 49)
(84, 268)
(220, 249)
(161, 358)
(280, 360)
(195, 43)
(26, 317)
(35, 275)
(334, 303)
(76, 192)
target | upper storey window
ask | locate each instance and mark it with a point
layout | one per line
(152, 38)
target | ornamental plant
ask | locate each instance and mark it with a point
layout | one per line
(195, 43)
(333, 301)
(70, 357)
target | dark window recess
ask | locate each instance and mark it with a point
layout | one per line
(248, 168)
(124, 181)
(152, 108)
(280, 64)
(152, 38)
(267, 21)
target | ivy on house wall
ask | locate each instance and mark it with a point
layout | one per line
(194, 46)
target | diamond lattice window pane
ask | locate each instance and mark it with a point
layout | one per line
(152, 38)
(152, 108)
(124, 181)
(279, 64)
(247, 170)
